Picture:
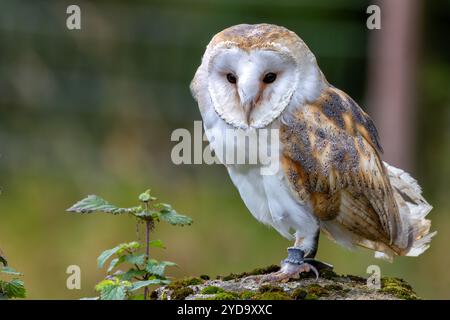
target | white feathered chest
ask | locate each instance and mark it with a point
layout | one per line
(267, 196)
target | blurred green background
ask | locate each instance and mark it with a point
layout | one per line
(91, 111)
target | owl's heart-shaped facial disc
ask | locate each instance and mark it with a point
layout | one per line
(251, 88)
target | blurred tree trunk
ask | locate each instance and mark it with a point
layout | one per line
(393, 56)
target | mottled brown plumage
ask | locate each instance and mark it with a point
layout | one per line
(332, 159)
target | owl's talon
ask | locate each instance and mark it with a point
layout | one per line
(291, 267)
(289, 271)
(313, 269)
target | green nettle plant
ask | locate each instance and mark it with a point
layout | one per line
(13, 287)
(143, 271)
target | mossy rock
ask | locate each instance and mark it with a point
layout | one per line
(211, 290)
(269, 288)
(272, 295)
(247, 295)
(271, 292)
(333, 287)
(181, 293)
(329, 286)
(225, 296)
(181, 283)
(398, 287)
(317, 290)
(302, 294)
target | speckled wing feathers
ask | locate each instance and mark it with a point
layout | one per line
(331, 158)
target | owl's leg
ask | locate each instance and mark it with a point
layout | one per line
(309, 257)
(308, 244)
(300, 260)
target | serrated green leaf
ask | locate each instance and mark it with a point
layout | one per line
(130, 246)
(11, 271)
(114, 292)
(163, 205)
(141, 284)
(171, 216)
(156, 244)
(13, 289)
(132, 273)
(105, 255)
(105, 283)
(93, 203)
(135, 259)
(113, 289)
(119, 250)
(114, 263)
(158, 268)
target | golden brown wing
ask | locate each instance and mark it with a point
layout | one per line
(331, 158)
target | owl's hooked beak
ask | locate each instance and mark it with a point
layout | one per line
(248, 108)
(249, 94)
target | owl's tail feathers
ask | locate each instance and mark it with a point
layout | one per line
(413, 208)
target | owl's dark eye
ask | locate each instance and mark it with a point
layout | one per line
(269, 77)
(231, 78)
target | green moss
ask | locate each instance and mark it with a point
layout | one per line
(317, 290)
(212, 290)
(323, 274)
(246, 295)
(269, 288)
(311, 296)
(272, 296)
(398, 288)
(299, 294)
(190, 281)
(254, 272)
(333, 287)
(180, 289)
(269, 292)
(181, 293)
(304, 294)
(226, 295)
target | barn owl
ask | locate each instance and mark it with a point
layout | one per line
(331, 177)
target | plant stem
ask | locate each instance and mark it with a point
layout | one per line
(148, 226)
